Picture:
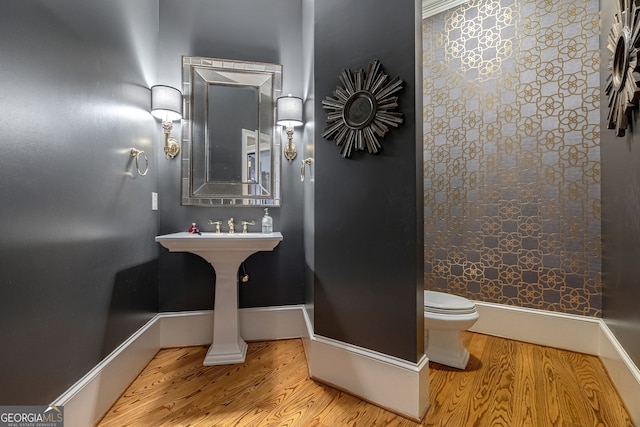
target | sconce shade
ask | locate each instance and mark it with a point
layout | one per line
(166, 103)
(289, 110)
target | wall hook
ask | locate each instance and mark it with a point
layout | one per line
(244, 277)
(303, 163)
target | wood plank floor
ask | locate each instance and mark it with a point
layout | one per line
(507, 383)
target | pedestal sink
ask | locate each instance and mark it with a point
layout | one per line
(225, 252)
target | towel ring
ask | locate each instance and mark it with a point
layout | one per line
(137, 153)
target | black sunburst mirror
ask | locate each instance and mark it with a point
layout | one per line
(362, 109)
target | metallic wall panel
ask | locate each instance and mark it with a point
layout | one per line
(77, 258)
(511, 154)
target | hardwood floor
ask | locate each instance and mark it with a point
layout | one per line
(507, 383)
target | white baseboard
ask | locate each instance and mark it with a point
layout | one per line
(622, 371)
(389, 382)
(568, 332)
(86, 402)
(564, 331)
(392, 383)
(183, 329)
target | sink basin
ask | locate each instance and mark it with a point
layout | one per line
(225, 252)
(188, 242)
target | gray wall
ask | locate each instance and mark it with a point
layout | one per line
(243, 30)
(620, 162)
(308, 150)
(78, 269)
(368, 209)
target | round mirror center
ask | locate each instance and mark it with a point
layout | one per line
(359, 110)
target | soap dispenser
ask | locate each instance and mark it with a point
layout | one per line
(267, 222)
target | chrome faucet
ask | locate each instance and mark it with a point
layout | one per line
(245, 223)
(217, 224)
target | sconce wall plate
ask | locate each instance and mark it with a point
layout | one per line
(624, 67)
(171, 145)
(290, 149)
(362, 109)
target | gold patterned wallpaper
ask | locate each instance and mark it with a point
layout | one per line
(511, 102)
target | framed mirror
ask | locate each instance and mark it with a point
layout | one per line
(229, 150)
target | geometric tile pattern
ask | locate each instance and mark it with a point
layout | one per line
(511, 153)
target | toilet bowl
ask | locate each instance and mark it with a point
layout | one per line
(445, 317)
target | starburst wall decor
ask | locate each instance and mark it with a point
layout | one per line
(622, 82)
(362, 109)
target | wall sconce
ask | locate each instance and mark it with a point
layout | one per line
(289, 110)
(166, 105)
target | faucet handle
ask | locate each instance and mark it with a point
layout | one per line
(217, 224)
(245, 223)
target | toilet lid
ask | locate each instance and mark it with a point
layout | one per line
(439, 301)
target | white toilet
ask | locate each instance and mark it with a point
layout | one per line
(445, 317)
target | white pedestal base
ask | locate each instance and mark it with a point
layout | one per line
(228, 347)
(444, 346)
(226, 356)
(225, 253)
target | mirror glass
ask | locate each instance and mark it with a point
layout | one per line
(359, 110)
(229, 150)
